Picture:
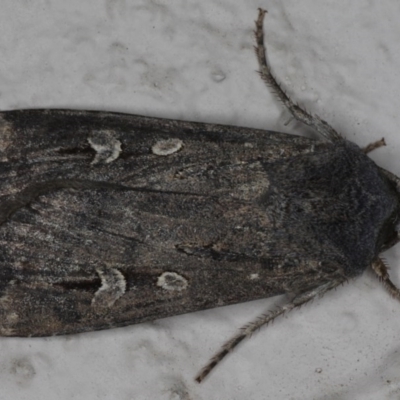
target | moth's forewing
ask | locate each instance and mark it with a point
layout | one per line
(112, 219)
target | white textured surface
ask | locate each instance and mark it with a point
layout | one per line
(194, 60)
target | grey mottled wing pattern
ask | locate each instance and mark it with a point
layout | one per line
(111, 219)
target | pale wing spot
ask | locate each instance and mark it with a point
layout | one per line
(167, 147)
(172, 281)
(113, 286)
(106, 146)
(254, 276)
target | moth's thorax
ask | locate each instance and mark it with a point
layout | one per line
(340, 200)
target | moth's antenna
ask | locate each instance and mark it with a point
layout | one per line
(247, 330)
(299, 113)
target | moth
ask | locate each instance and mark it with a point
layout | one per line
(111, 219)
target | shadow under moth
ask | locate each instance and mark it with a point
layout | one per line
(111, 219)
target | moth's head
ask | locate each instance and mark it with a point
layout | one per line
(390, 234)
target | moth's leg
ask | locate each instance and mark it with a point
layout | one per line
(374, 145)
(247, 330)
(299, 113)
(381, 270)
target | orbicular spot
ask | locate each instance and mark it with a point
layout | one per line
(167, 147)
(172, 281)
